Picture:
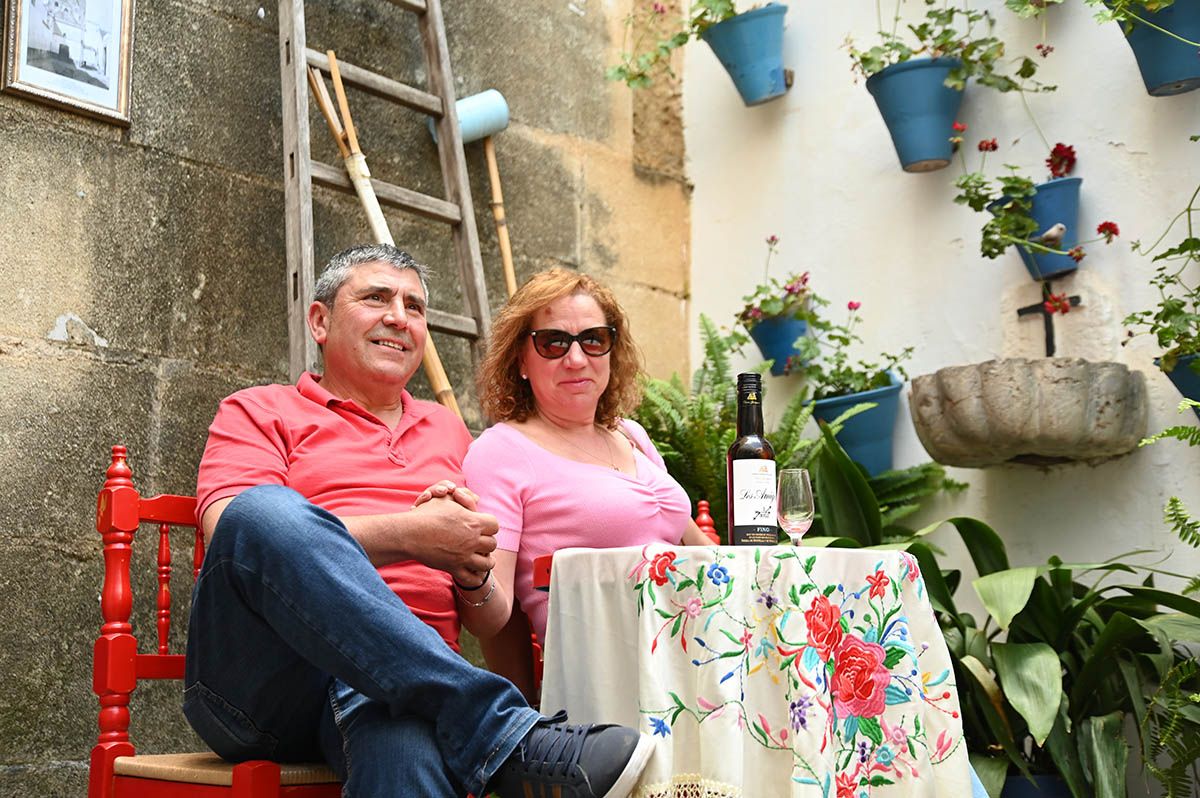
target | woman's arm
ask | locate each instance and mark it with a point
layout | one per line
(485, 611)
(692, 536)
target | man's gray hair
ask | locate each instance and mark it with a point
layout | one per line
(340, 266)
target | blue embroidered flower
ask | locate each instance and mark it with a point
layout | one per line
(660, 726)
(884, 755)
(718, 573)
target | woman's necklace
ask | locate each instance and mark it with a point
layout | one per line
(610, 461)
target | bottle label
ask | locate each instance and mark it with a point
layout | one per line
(753, 494)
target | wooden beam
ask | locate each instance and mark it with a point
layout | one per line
(378, 85)
(415, 6)
(449, 323)
(297, 188)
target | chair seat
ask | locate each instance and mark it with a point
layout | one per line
(208, 768)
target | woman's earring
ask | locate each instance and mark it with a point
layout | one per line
(524, 376)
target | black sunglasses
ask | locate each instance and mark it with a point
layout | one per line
(594, 341)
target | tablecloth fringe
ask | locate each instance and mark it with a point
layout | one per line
(689, 785)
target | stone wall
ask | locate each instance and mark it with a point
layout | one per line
(141, 276)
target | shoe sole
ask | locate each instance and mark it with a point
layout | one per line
(625, 783)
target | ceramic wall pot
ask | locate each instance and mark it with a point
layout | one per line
(1168, 66)
(1186, 376)
(867, 437)
(776, 339)
(1056, 201)
(919, 110)
(750, 47)
(1042, 787)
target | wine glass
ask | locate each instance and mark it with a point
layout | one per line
(795, 503)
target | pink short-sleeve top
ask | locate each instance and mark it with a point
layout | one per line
(545, 502)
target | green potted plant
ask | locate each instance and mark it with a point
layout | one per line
(1041, 220)
(837, 383)
(1046, 680)
(1164, 36)
(776, 314)
(917, 75)
(1175, 322)
(748, 44)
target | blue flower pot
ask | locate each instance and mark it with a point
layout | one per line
(776, 339)
(1186, 376)
(1168, 66)
(867, 437)
(1056, 201)
(1042, 787)
(750, 47)
(919, 110)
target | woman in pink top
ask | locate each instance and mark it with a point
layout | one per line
(562, 467)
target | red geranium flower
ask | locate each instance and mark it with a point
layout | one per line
(1044, 49)
(1057, 303)
(772, 240)
(860, 679)
(1061, 160)
(1109, 230)
(852, 305)
(1075, 254)
(824, 627)
(959, 127)
(663, 562)
(988, 145)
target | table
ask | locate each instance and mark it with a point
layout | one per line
(760, 671)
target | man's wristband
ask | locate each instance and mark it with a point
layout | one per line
(461, 586)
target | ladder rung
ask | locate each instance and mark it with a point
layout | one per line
(394, 196)
(462, 326)
(416, 6)
(377, 84)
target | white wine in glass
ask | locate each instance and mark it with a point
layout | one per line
(795, 503)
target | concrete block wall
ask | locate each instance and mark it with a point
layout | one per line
(141, 280)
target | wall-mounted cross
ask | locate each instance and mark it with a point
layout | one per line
(1045, 309)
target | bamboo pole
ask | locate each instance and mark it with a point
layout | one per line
(356, 167)
(510, 276)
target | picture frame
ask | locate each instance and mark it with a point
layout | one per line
(75, 54)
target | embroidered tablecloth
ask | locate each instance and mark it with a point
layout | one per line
(760, 671)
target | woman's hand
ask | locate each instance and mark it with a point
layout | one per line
(447, 488)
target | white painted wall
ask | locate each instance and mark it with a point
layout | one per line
(818, 169)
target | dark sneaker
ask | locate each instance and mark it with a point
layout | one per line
(558, 760)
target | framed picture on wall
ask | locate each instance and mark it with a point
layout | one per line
(75, 54)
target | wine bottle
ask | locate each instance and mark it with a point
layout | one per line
(750, 472)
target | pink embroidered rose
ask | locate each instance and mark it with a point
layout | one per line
(860, 678)
(824, 626)
(662, 563)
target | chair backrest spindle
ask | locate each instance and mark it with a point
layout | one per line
(164, 587)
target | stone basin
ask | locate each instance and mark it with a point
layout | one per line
(1039, 411)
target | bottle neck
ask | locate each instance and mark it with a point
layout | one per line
(749, 419)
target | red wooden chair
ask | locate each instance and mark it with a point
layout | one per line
(117, 771)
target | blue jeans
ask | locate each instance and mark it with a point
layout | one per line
(297, 650)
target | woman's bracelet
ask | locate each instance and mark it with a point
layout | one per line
(468, 588)
(485, 599)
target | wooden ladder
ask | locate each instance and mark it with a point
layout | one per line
(301, 172)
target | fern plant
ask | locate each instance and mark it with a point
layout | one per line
(1175, 514)
(1171, 731)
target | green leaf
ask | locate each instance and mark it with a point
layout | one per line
(871, 728)
(894, 655)
(983, 544)
(990, 701)
(848, 507)
(1004, 593)
(1109, 753)
(1177, 626)
(991, 771)
(1101, 662)
(1063, 752)
(1031, 677)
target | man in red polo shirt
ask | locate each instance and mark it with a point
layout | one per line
(325, 619)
